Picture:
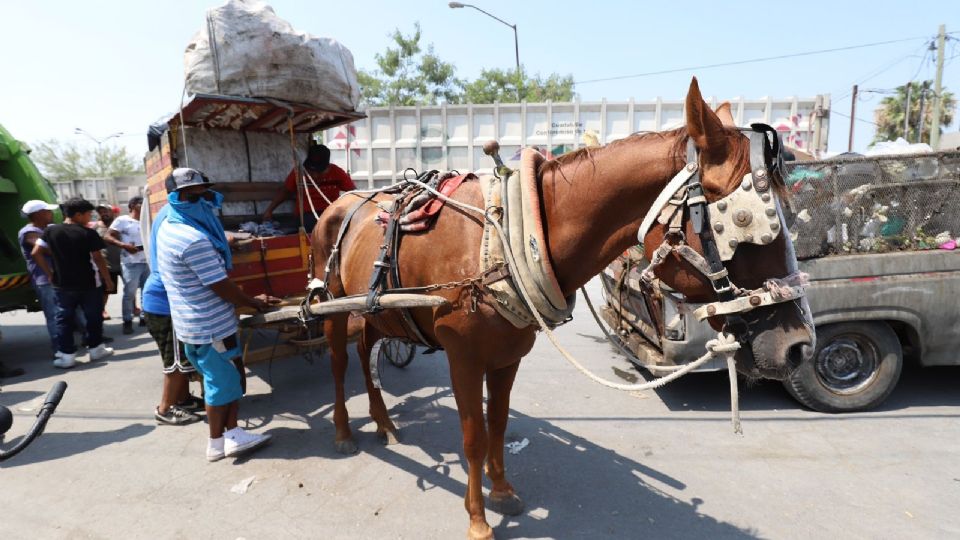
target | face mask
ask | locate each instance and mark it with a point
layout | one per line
(210, 199)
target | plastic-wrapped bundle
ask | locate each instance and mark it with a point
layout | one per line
(245, 49)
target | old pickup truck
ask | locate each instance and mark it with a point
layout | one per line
(877, 237)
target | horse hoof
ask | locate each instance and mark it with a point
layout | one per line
(480, 531)
(346, 447)
(389, 438)
(508, 504)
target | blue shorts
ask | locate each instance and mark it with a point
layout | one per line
(221, 379)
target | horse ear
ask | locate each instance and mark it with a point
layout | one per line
(724, 114)
(703, 124)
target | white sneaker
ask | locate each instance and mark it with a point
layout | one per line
(215, 449)
(100, 352)
(64, 360)
(237, 442)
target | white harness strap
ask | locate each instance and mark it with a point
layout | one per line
(668, 192)
(754, 299)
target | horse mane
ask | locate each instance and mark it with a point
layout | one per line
(588, 152)
(678, 152)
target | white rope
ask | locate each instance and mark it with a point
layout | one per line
(617, 343)
(310, 199)
(724, 344)
(731, 364)
(734, 395)
(183, 126)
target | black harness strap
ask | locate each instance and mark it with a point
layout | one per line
(700, 220)
(386, 274)
(384, 262)
(394, 283)
(334, 260)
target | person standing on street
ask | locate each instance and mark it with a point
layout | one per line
(40, 215)
(177, 406)
(77, 273)
(111, 252)
(125, 234)
(193, 258)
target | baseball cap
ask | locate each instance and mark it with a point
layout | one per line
(185, 177)
(318, 156)
(30, 207)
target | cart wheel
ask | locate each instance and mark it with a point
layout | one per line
(398, 352)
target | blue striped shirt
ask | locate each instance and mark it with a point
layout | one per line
(188, 265)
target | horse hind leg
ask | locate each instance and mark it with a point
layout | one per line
(335, 330)
(386, 430)
(503, 498)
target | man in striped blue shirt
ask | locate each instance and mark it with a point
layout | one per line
(193, 257)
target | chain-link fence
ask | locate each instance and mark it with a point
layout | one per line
(874, 204)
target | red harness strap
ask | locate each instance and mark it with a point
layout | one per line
(421, 218)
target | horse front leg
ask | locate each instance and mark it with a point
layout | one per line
(466, 374)
(503, 498)
(335, 330)
(386, 430)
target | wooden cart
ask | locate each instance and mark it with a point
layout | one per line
(248, 146)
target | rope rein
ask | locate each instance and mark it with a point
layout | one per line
(724, 345)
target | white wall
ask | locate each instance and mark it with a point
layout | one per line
(450, 137)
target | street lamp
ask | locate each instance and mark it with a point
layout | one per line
(516, 44)
(81, 131)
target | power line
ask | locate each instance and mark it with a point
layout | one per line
(920, 67)
(750, 61)
(858, 119)
(879, 71)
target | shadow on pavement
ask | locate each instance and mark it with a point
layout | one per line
(918, 387)
(572, 487)
(13, 398)
(52, 446)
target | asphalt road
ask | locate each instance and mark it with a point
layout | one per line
(599, 463)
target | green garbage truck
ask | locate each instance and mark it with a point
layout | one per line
(20, 181)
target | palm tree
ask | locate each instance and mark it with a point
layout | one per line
(890, 115)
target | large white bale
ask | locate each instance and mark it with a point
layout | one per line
(255, 53)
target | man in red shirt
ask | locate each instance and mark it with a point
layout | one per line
(328, 177)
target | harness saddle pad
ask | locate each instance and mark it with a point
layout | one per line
(518, 196)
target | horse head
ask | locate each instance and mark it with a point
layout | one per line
(775, 335)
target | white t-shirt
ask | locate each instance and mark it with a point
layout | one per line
(129, 230)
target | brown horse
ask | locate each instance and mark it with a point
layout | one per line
(592, 202)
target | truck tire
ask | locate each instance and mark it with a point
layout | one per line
(855, 367)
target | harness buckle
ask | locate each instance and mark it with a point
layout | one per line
(675, 238)
(721, 289)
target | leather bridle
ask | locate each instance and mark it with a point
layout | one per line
(750, 214)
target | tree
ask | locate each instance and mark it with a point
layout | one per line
(501, 85)
(890, 115)
(408, 75)
(60, 160)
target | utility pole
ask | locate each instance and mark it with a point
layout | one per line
(923, 110)
(853, 117)
(935, 124)
(906, 114)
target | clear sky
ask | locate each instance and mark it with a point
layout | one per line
(117, 65)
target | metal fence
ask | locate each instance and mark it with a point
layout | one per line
(874, 204)
(377, 149)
